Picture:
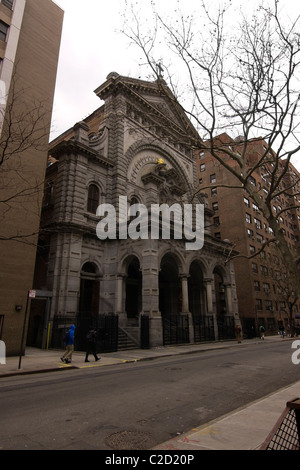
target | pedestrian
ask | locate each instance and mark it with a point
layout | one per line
(281, 331)
(67, 357)
(238, 333)
(91, 345)
(262, 332)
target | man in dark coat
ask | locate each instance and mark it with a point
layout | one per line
(91, 345)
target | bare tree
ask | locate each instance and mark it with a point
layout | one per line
(23, 131)
(238, 77)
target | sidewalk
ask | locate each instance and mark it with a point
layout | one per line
(243, 429)
(39, 360)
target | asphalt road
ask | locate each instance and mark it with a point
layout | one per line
(137, 406)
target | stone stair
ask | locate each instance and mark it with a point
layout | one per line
(124, 341)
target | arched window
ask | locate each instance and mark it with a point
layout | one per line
(93, 198)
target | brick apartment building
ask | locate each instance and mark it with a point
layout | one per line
(261, 296)
(30, 32)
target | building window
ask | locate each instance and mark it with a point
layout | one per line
(214, 191)
(48, 194)
(93, 198)
(215, 206)
(257, 285)
(254, 268)
(258, 304)
(246, 201)
(213, 178)
(8, 3)
(216, 221)
(248, 218)
(3, 30)
(266, 287)
(202, 167)
(269, 305)
(258, 224)
(264, 270)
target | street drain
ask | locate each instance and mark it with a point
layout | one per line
(129, 440)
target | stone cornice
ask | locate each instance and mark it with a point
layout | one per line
(68, 147)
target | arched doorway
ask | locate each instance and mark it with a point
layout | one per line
(175, 324)
(88, 303)
(133, 303)
(89, 290)
(170, 298)
(203, 324)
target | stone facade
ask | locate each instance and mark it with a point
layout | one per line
(133, 147)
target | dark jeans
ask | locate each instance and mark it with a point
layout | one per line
(91, 349)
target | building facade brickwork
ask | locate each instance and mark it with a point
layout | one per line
(263, 296)
(29, 49)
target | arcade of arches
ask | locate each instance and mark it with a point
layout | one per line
(205, 301)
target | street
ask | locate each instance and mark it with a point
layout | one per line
(138, 405)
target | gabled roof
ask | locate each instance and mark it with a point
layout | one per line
(157, 100)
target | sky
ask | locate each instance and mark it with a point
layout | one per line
(92, 46)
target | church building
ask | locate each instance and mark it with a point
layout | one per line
(132, 152)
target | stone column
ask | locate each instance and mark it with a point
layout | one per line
(228, 299)
(150, 305)
(119, 294)
(185, 304)
(209, 304)
(185, 293)
(120, 288)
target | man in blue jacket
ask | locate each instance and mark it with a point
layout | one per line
(67, 357)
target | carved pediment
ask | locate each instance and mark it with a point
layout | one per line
(154, 102)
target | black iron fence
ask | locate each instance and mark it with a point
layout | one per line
(203, 328)
(175, 329)
(226, 328)
(106, 326)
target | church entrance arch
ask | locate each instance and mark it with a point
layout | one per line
(89, 290)
(133, 303)
(203, 323)
(88, 303)
(196, 290)
(170, 297)
(175, 324)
